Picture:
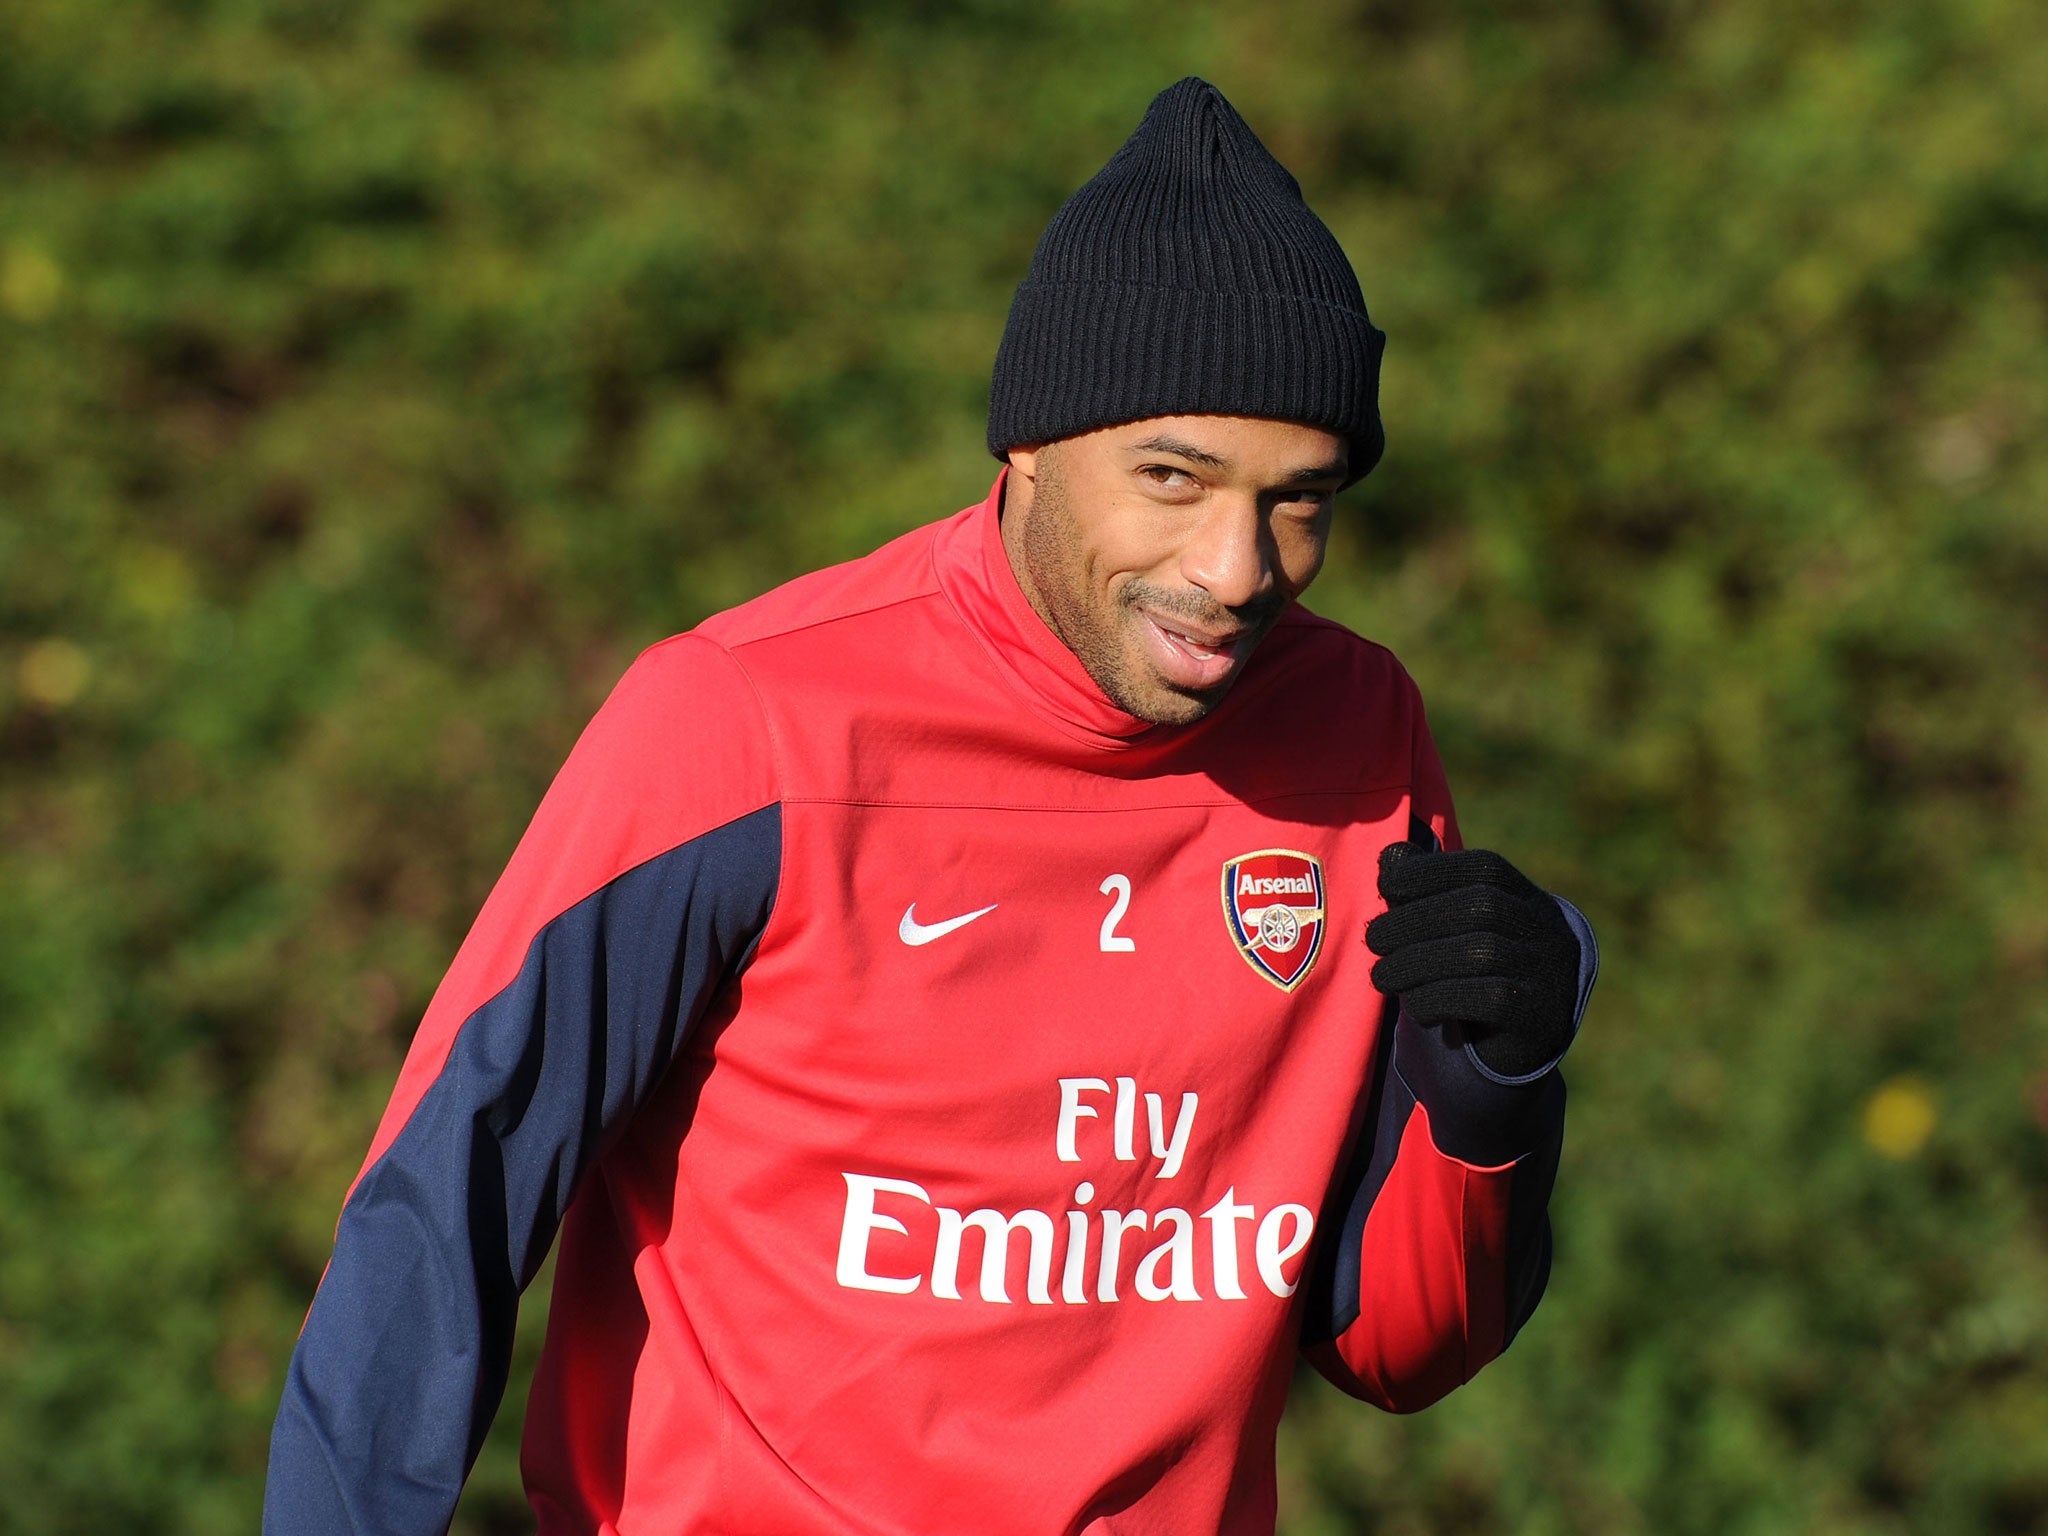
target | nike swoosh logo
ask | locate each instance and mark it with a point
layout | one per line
(914, 933)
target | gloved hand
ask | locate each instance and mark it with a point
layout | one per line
(1467, 937)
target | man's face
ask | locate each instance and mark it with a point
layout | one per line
(1162, 551)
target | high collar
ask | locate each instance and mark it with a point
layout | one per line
(975, 573)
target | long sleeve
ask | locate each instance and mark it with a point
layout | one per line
(644, 881)
(1444, 1246)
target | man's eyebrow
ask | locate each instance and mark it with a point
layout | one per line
(1163, 443)
(1166, 444)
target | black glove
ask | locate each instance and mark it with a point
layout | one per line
(1466, 937)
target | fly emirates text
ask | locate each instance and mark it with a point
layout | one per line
(1161, 1252)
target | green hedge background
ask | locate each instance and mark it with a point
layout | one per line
(376, 379)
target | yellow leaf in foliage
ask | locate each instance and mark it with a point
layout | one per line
(1899, 1117)
(53, 672)
(30, 283)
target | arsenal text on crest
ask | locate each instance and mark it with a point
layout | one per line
(1273, 904)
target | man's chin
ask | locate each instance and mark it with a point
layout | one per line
(1160, 702)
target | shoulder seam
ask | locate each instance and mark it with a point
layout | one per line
(775, 752)
(922, 595)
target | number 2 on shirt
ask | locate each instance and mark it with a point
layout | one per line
(1114, 943)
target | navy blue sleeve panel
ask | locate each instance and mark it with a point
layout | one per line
(1529, 1243)
(1333, 1280)
(405, 1352)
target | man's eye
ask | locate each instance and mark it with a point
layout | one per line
(1305, 503)
(1168, 476)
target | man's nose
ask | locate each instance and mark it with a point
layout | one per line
(1227, 555)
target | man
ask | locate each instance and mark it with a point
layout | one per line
(934, 999)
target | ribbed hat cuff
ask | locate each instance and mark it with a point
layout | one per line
(1076, 356)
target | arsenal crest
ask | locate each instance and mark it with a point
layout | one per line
(1273, 902)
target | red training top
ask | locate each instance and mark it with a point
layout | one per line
(958, 1099)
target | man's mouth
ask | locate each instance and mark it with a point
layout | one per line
(1188, 656)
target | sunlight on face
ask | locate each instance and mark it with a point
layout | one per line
(1163, 551)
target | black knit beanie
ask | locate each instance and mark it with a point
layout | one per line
(1188, 277)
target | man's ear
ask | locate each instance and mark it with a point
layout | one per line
(1024, 461)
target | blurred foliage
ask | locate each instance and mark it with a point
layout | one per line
(375, 379)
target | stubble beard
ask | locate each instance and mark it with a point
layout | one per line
(1052, 546)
